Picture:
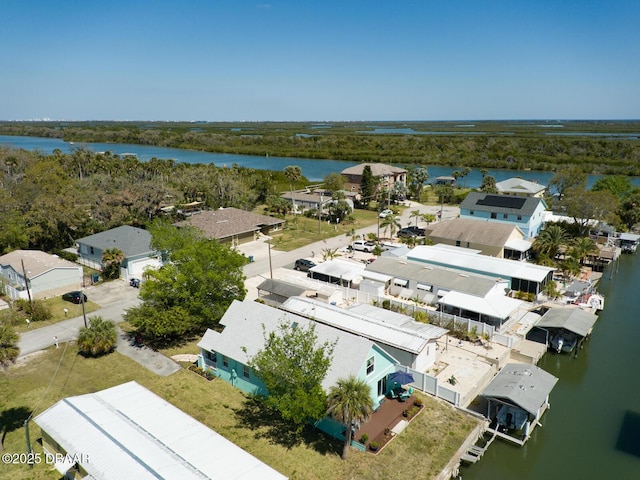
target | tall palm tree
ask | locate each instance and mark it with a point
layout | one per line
(8, 345)
(293, 174)
(391, 222)
(583, 247)
(97, 339)
(349, 401)
(550, 240)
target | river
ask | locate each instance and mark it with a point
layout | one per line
(594, 420)
(598, 394)
(313, 170)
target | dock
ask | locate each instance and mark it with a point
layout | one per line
(475, 453)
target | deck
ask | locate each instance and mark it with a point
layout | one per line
(387, 416)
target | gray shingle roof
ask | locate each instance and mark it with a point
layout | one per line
(132, 241)
(575, 320)
(226, 222)
(36, 262)
(242, 338)
(485, 202)
(474, 231)
(524, 385)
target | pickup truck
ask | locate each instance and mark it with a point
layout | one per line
(363, 246)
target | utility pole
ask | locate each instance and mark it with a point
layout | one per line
(26, 284)
(270, 267)
(84, 313)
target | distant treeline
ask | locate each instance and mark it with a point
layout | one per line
(527, 148)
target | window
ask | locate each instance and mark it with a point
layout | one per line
(494, 215)
(519, 217)
(91, 250)
(225, 362)
(245, 371)
(470, 212)
(457, 243)
(505, 215)
(382, 386)
(398, 282)
(370, 366)
(426, 288)
(212, 357)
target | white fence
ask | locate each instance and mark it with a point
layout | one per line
(431, 385)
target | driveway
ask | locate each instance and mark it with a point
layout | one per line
(115, 298)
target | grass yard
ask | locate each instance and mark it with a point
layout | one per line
(425, 446)
(301, 231)
(57, 306)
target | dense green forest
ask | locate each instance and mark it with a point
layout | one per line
(593, 147)
(49, 201)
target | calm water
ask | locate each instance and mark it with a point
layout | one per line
(596, 397)
(314, 170)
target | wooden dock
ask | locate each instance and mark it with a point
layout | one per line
(475, 453)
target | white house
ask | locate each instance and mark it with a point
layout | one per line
(47, 275)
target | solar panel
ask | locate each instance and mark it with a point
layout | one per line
(502, 201)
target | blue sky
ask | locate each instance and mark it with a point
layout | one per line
(235, 60)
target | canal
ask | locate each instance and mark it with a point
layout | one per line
(592, 430)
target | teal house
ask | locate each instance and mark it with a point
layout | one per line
(227, 353)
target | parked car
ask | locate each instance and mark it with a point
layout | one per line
(412, 232)
(304, 265)
(363, 246)
(385, 213)
(74, 297)
(135, 282)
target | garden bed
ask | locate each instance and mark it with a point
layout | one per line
(206, 374)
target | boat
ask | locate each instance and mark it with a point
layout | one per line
(564, 341)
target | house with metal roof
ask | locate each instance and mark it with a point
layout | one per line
(231, 225)
(521, 276)
(275, 292)
(565, 328)
(133, 242)
(519, 187)
(500, 240)
(227, 353)
(411, 343)
(527, 213)
(128, 431)
(516, 400)
(45, 275)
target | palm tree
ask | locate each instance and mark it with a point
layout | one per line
(416, 214)
(8, 345)
(550, 240)
(349, 401)
(329, 253)
(583, 247)
(97, 339)
(111, 260)
(293, 173)
(391, 222)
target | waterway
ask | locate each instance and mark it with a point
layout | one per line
(592, 430)
(313, 170)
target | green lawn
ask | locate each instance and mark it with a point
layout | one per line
(57, 306)
(425, 446)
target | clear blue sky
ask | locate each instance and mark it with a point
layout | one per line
(299, 60)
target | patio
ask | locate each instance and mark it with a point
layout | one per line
(387, 416)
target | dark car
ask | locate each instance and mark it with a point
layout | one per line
(412, 232)
(303, 265)
(135, 282)
(74, 297)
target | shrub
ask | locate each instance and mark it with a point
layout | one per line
(36, 311)
(72, 257)
(364, 438)
(418, 403)
(386, 304)
(374, 446)
(97, 339)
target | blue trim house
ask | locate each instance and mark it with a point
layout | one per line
(526, 213)
(135, 244)
(227, 353)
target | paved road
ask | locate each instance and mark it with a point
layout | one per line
(280, 259)
(115, 298)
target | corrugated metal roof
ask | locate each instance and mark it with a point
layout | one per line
(281, 288)
(387, 328)
(348, 271)
(497, 306)
(519, 185)
(525, 385)
(242, 338)
(573, 319)
(459, 258)
(128, 431)
(472, 284)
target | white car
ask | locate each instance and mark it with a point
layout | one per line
(363, 246)
(385, 213)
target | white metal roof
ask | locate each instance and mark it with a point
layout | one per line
(497, 306)
(393, 330)
(460, 258)
(573, 319)
(128, 431)
(519, 245)
(630, 237)
(348, 271)
(245, 322)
